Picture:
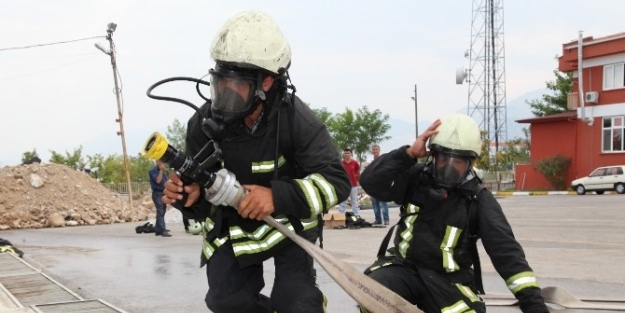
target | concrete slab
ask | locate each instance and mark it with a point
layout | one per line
(573, 242)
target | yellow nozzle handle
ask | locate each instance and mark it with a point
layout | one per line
(155, 147)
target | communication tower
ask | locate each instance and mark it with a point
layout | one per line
(486, 75)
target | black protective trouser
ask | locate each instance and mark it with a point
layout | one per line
(408, 284)
(237, 290)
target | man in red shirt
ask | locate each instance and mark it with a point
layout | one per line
(353, 172)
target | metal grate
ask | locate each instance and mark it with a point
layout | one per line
(11, 266)
(23, 289)
(86, 306)
(33, 289)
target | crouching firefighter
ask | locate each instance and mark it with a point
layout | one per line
(281, 154)
(444, 210)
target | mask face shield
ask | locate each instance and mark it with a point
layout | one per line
(450, 170)
(232, 94)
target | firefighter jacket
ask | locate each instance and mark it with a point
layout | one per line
(310, 178)
(433, 237)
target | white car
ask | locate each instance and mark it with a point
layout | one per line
(601, 180)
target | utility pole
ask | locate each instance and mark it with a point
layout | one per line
(416, 114)
(120, 115)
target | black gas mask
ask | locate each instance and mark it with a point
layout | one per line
(235, 93)
(449, 169)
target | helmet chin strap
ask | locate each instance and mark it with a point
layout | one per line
(438, 194)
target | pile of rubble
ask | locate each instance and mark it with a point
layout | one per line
(53, 195)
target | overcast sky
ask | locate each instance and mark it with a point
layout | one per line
(345, 54)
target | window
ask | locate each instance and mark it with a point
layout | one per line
(613, 131)
(613, 76)
(615, 171)
(598, 172)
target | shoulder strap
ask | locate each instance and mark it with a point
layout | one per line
(385, 241)
(473, 224)
(474, 235)
(286, 116)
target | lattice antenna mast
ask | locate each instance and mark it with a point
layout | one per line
(487, 71)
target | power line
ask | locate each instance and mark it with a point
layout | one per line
(49, 44)
(47, 70)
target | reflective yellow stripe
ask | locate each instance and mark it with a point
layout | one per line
(412, 209)
(521, 281)
(380, 266)
(326, 189)
(263, 238)
(209, 248)
(7, 248)
(312, 196)
(209, 224)
(406, 235)
(250, 247)
(458, 307)
(447, 248)
(467, 292)
(266, 166)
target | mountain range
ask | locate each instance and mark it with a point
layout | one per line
(402, 132)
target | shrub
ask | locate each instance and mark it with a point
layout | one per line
(554, 170)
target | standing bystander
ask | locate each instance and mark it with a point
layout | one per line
(380, 208)
(353, 172)
(158, 177)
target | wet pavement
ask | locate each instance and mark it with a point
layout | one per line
(573, 242)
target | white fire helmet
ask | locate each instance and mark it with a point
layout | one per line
(252, 39)
(460, 133)
(454, 147)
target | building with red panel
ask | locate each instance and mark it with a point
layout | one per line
(591, 133)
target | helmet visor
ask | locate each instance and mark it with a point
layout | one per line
(451, 169)
(231, 92)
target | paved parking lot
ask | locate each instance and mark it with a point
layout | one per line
(573, 242)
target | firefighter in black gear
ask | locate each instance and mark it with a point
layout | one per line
(281, 154)
(432, 261)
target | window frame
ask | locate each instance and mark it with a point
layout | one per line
(613, 129)
(613, 80)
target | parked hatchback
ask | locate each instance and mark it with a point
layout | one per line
(601, 180)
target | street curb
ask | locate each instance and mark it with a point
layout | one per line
(532, 193)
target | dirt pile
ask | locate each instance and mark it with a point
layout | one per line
(53, 195)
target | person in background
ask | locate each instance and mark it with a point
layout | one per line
(434, 262)
(353, 172)
(380, 208)
(158, 177)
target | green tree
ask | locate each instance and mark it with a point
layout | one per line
(139, 167)
(95, 164)
(176, 135)
(556, 103)
(358, 130)
(484, 161)
(517, 150)
(111, 169)
(26, 156)
(73, 160)
(323, 114)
